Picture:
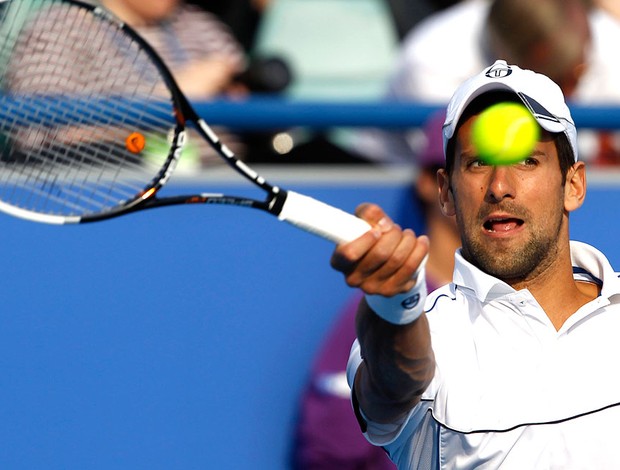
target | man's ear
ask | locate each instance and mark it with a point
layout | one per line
(426, 187)
(575, 187)
(446, 198)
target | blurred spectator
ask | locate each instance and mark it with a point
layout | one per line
(263, 74)
(241, 16)
(612, 6)
(564, 39)
(202, 54)
(328, 436)
(200, 50)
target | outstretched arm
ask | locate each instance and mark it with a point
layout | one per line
(398, 361)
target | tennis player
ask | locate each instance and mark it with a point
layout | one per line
(513, 364)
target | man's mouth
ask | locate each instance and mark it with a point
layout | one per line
(502, 224)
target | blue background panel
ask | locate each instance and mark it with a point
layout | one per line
(175, 338)
(180, 337)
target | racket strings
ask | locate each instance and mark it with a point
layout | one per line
(86, 115)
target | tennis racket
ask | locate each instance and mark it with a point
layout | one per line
(93, 124)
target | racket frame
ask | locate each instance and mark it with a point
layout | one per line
(296, 209)
(183, 112)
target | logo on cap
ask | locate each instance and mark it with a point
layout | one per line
(499, 71)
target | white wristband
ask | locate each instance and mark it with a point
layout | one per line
(401, 308)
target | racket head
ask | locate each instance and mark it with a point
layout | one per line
(92, 123)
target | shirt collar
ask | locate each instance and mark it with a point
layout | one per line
(589, 264)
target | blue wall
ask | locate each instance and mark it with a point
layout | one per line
(176, 338)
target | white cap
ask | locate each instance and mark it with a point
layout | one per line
(539, 94)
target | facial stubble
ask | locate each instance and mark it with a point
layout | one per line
(501, 258)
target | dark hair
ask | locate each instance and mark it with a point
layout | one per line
(565, 153)
(480, 103)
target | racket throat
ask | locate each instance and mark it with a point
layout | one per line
(276, 203)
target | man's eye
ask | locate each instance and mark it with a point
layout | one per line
(477, 162)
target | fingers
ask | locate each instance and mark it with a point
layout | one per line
(396, 273)
(347, 255)
(384, 260)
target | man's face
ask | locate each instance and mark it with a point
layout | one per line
(511, 218)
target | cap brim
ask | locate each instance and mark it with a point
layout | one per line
(545, 119)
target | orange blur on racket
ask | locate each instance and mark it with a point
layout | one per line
(135, 142)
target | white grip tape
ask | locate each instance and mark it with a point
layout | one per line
(321, 219)
(405, 308)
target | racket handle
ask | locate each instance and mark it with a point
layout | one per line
(321, 219)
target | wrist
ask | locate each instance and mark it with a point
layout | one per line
(403, 308)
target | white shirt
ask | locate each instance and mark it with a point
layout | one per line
(509, 390)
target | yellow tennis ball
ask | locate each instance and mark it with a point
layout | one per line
(505, 133)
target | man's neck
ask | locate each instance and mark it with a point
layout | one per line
(556, 290)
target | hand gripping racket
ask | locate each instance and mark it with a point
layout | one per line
(92, 125)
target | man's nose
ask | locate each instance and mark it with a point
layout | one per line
(501, 184)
